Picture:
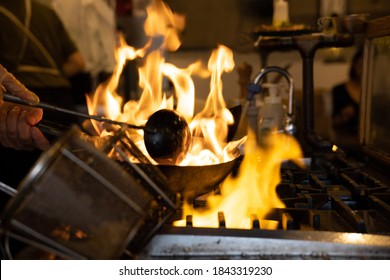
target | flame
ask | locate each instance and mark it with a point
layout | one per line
(105, 100)
(161, 21)
(162, 27)
(253, 192)
(210, 125)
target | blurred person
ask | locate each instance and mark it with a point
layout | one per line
(17, 123)
(92, 25)
(36, 48)
(345, 105)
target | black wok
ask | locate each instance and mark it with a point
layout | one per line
(193, 181)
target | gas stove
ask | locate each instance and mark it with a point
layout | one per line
(338, 205)
(334, 210)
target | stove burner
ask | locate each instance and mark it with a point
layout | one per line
(334, 210)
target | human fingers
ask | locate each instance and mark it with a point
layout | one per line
(40, 140)
(10, 83)
(5, 132)
(33, 115)
(15, 131)
(18, 130)
(12, 123)
(3, 127)
(24, 140)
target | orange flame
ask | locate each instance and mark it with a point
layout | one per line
(105, 100)
(211, 124)
(162, 27)
(161, 21)
(253, 192)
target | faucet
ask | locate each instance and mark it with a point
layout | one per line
(255, 87)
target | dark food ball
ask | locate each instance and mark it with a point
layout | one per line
(167, 137)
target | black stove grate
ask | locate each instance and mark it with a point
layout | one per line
(333, 194)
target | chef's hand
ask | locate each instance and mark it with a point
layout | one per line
(17, 122)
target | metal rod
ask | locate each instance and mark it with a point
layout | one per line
(8, 190)
(14, 99)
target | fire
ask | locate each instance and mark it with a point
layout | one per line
(210, 125)
(253, 191)
(162, 37)
(105, 99)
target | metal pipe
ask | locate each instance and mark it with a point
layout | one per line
(289, 126)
